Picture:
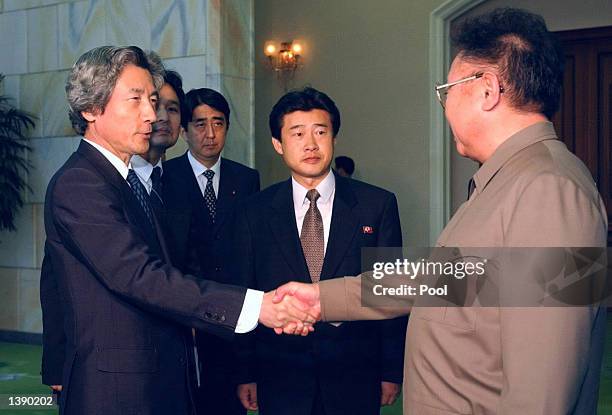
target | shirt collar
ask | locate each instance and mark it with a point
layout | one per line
(325, 188)
(143, 167)
(113, 159)
(535, 133)
(198, 168)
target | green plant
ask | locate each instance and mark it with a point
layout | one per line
(14, 164)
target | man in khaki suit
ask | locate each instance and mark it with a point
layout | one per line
(503, 88)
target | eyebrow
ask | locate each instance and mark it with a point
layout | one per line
(141, 91)
(206, 118)
(171, 101)
(302, 125)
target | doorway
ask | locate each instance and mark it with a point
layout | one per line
(584, 120)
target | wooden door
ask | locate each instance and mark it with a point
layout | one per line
(584, 121)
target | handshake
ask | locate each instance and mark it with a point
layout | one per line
(292, 308)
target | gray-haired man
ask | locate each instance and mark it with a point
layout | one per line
(121, 304)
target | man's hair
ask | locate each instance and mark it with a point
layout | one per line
(94, 75)
(527, 56)
(306, 99)
(345, 163)
(173, 79)
(205, 96)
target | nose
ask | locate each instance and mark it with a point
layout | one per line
(148, 111)
(162, 114)
(209, 130)
(311, 142)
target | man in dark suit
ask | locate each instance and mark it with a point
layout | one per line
(123, 307)
(202, 190)
(165, 133)
(312, 227)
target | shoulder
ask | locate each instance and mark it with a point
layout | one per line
(77, 183)
(238, 168)
(550, 163)
(363, 190)
(176, 165)
(262, 201)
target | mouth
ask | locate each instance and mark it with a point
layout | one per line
(311, 159)
(162, 130)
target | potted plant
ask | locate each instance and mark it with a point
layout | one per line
(14, 164)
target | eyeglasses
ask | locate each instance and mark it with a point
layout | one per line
(442, 90)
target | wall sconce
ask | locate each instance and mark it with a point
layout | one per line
(284, 60)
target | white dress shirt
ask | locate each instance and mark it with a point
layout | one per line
(325, 203)
(249, 315)
(198, 170)
(144, 170)
(113, 159)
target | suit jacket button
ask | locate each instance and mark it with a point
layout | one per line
(217, 269)
(222, 318)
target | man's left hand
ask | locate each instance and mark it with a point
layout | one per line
(390, 392)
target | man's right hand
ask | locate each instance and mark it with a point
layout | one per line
(247, 393)
(308, 295)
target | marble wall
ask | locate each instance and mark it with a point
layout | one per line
(209, 42)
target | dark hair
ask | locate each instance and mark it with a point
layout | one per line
(528, 57)
(206, 96)
(306, 99)
(93, 77)
(173, 79)
(345, 163)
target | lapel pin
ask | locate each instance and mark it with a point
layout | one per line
(368, 230)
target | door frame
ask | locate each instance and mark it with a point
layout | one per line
(439, 133)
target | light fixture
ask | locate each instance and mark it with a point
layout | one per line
(284, 60)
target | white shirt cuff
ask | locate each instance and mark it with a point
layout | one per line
(249, 315)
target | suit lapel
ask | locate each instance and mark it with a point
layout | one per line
(190, 184)
(343, 228)
(227, 193)
(132, 205)
(284, 229)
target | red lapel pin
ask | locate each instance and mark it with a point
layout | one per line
(368, 230)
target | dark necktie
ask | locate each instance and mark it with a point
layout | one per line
(141, 194)
(312, 237)
(157, 202)
(471, 188)
(209, 194)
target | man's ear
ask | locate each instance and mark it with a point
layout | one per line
(492, 91)
(278, 146)
(89, 116)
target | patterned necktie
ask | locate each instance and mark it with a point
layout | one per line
(157, 202)
(141, 194)
(209, 194)
(312, 237)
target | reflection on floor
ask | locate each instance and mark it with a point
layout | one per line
(20, 368)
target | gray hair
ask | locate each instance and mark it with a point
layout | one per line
(94, 75)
